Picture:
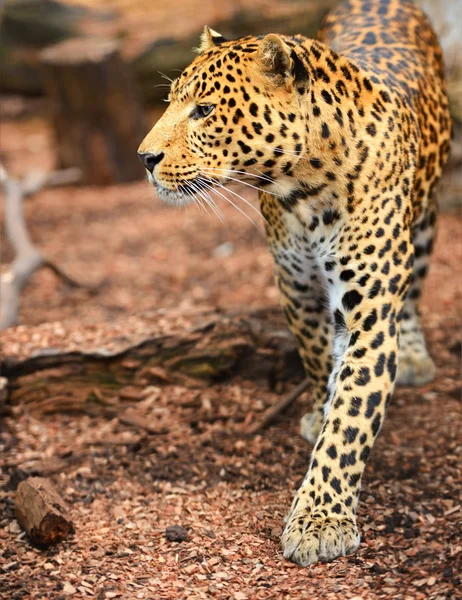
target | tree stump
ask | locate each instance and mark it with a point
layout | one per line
(96, 114)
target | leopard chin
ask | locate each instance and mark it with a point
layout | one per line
(172, 197)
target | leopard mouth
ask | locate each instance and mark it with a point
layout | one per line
(185, 192)
(178, 197)
(181, 195)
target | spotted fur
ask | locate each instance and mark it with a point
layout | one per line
(346, 137)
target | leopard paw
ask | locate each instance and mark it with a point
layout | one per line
(309, 538)
(311, 425)
(415, 369)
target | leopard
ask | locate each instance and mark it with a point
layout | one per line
(345, 136)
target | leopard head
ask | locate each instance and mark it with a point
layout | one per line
(235, 112)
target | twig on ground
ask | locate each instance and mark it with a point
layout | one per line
(28, 258)
(270, 415)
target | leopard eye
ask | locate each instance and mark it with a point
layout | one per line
(201, 111)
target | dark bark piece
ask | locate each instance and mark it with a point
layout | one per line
(16, 477)
(34, 468)
(41, 512)
(97, 118)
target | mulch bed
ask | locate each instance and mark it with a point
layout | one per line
(229, 492)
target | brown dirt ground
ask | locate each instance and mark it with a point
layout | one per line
(229, 491)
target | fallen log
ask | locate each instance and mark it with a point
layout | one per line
(41, 512)
(206, 348)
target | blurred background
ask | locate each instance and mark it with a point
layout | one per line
(106, 228)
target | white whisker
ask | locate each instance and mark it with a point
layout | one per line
(215, 182)
(263, 177)
(213, 190)
(164, 76)
(241, 181)
(213, 204)
(207, 200)
(197, 191)
(194, 197)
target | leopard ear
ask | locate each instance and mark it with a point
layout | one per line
(210, 39)
(274, 55)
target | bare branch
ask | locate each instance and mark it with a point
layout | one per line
(28, 258)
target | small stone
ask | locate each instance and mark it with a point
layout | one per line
(176, 533)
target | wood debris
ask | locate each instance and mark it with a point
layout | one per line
(41, 512)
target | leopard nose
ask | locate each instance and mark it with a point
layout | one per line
(150, 160)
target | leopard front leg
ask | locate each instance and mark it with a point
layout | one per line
(367, 311)
(304, 301)
(305, 307)
(304, 304)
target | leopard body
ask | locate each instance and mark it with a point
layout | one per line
(346, 137)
